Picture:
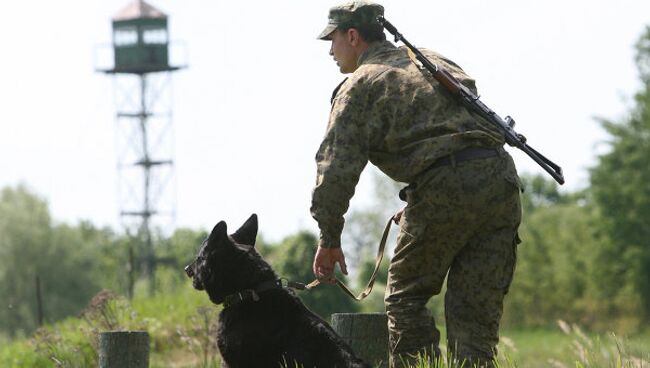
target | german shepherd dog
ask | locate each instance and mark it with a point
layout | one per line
(262, 324)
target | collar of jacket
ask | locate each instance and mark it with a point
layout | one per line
(373, 49)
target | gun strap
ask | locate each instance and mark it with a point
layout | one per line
(414, 58)
(373, 277)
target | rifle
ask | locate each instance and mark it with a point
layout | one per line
(472, 102)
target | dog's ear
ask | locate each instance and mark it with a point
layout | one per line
(247, 232)
(218, 234)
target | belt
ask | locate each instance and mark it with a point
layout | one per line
(466, 154)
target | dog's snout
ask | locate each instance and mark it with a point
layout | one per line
(189, 271)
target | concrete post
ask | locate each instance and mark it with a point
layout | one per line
(366, 333)
(124, 349)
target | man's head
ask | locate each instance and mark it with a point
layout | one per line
(351, 27)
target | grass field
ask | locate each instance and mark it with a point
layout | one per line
(182, 330)
(568, 346)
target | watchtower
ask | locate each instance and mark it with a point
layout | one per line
(144, 139)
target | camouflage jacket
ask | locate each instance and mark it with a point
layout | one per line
(396, 116)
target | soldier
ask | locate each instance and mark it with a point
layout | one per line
(463, 206)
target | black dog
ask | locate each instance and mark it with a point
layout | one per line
(262, 325)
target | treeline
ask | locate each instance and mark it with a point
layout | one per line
(71, 263)
(74, 263)
(586, 255)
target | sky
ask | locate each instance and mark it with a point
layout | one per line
(251, 108)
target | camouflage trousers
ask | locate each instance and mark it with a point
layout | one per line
(460, 220)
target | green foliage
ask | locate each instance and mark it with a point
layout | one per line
(60, 256)
(568, 346)
(24, 220)
(181, 248)
(554, 267)
(173, 254)
(22, 353)
(586, 255)
(541, 192)
(619, 186)
(181, 324)
(642, 57)
(555, 278)
(375, 301)
(72, 262)
(562, 268)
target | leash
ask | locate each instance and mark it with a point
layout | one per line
(373, 277)
(253, 294)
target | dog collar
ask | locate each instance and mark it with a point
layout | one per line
(251, 294)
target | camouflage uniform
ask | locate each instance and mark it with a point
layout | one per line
(461, 218)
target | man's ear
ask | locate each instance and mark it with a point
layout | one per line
(218, 234)
(247, 233)
(353, 36)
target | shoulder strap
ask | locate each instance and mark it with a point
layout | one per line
(414, 59)
(336, 91)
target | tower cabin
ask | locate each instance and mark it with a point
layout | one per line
(140, 39)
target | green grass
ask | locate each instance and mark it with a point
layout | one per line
(563, 347)
(182, 328)
(533, 347)
(569, 346)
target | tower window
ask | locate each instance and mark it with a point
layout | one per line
(155, 36)
(125, 36)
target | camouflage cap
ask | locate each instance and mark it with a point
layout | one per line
(350, 15)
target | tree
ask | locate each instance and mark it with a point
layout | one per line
(24, 225)
(619, 184)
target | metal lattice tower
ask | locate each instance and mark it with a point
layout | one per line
(144, 135)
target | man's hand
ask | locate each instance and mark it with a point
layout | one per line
(325, 261)
(398, 216)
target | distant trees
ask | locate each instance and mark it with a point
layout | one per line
(586, 256)
(64, 258)
(620, 185)
(72, 262)
(555, 265)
